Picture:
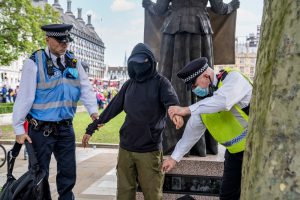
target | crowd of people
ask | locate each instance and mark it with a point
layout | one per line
(104, 96)
(9, 94)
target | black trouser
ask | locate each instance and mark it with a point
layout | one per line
(62, 144)
(231, 184)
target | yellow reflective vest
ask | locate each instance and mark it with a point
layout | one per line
(229, 128)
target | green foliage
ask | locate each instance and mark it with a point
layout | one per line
(109, 133)
(6, 108)
(20, 24)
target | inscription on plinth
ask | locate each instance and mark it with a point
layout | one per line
(199, 177)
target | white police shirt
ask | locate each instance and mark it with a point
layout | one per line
(236, 89)
(26, 94)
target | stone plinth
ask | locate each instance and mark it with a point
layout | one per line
(199, 177)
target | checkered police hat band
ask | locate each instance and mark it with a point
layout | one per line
(57, 34)
(200, 71)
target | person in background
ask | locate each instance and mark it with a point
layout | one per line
(16, 93)
(4, 93)
(10, 95)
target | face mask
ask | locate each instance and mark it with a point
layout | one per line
(138, 70)
(200, 91)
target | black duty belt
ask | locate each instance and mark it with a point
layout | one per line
(46, 126)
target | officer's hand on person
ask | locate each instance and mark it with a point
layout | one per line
(168, 164)
(21, 138)
(94, 116)
(85, 140)
(178, 121)
(177, 110)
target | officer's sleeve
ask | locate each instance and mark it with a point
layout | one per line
(168, 95)
(113, 109)
(25, 96)
(193, 131)
(235, 88)
(88, 96)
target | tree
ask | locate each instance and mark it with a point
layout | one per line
(20, 24)
(271, 168)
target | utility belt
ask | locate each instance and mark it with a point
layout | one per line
(47, 127)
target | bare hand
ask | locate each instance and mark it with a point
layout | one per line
(168, 164)
(94, 116)
(85, 140)
(21, 138)
(178, 121)
(177, 110)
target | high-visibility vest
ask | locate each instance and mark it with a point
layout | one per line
(56, 96)
(229, 128)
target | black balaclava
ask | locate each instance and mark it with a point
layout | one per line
(141, 63)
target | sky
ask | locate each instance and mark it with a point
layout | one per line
(120, 23)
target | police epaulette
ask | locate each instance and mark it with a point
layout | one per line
(32, 57)
(221, 76)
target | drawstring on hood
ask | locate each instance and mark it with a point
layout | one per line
(141, 63)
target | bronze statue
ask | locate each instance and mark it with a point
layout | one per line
(186, 35)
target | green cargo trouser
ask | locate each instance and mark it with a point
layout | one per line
(142, 167)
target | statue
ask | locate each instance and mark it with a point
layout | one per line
(187, 34)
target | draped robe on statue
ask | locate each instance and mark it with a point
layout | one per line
(182, 34)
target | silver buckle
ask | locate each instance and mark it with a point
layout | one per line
(47, 132)
(34, 122)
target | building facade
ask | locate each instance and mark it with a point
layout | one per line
(115, 76)
(87, 46)
(245, 55)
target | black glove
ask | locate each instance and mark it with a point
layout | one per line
(233, 5)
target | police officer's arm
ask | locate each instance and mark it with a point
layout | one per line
(25, 99)
(87, 93)
(235, 90)
(193, 131)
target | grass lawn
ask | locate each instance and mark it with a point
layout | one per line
(109, 133)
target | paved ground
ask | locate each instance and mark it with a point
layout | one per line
(96, 174)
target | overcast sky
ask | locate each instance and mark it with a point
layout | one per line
(120, 23)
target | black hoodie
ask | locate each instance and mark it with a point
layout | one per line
(145, 101)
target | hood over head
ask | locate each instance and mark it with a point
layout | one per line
(141, 63)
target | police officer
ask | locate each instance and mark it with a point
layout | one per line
(52, 83)
(223, 111)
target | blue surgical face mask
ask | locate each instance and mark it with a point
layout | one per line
(200, 91)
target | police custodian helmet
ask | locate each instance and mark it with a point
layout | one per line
(58, 31)
(192, 70)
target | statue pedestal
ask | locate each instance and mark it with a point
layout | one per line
(199, 177)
